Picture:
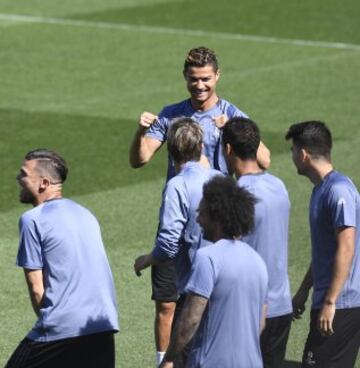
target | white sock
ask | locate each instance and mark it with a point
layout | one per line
(159, 357)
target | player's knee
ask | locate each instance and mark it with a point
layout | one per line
(165, 309)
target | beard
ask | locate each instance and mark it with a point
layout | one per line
(26, 197)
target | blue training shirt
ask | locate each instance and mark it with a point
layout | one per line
(212, 134)
(179, 234)
(233, 277)
(270, 236)
(63, 239)
(335, 203)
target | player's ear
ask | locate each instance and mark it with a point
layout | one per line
(44, 183)
(217, 75)
(304, 155)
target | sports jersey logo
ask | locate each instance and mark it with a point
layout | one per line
(341, 202)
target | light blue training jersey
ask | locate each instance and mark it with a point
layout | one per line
(233, 277)
(63, 239)
(335, 203)
(212, 134)
(179, 234)
(270, 236)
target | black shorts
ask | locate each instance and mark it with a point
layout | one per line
(338, 350)
(163, 280)
(273, 340)
(90, 351)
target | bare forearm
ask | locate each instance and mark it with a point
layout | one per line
(36, 298)
(138, 150)
(183, 334)
(35, 283)
(301, 296)
(307, 282)
(345, 239)
(342, 266)
(187, 325)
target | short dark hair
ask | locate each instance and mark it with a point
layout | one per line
(313, 135)
(50, 162)
(229, 205)
(184, 140)
(200, 57)
(243, 135)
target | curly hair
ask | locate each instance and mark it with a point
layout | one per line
(200, 57)
(49, 162)
(230, 206)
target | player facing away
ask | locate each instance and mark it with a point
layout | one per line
(269, 238)
(334, 273)
(67, 272)
(225, 306)
(179, 234)
(201, 73)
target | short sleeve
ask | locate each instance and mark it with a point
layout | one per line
(232, 111)
(158, 130)
(29, 253)
(203, 276)
(343, 205)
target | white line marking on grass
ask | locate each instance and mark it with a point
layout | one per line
(291, 64)
(173, 31)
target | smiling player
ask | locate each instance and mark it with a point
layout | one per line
(201, 73)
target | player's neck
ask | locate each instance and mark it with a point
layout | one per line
(319, 171)
(48, 195)
(246, 167)
(204, 105)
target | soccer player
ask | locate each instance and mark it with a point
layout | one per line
(227, 288)
(334, 272)
(269, 238)
(201, 73)
(67, 272)
(179, 235)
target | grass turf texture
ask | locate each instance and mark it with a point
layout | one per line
(79, 90)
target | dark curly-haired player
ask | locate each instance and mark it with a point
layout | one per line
(227, 287)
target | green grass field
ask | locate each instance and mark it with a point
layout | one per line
(75, 76)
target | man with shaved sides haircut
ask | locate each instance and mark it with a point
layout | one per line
(201, 73)
(67, 272)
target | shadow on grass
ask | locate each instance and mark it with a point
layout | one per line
(96, 149)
